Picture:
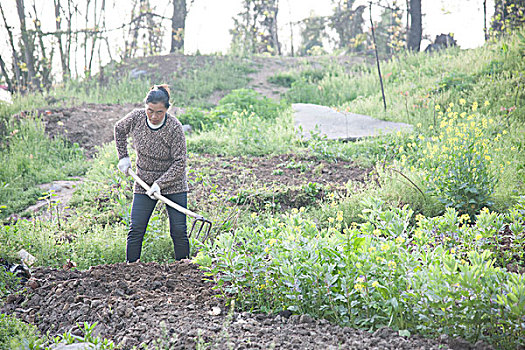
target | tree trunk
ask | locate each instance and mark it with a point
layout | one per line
(28, 46)
(96, 23)
(408, 17)
(45, 66)
(178, 25)
(485, 19)
(274, 29)
(16, 67)
(58, 22)
(133, 47)
(416, 27)
(10, 87)
(85, 45)
(292, 53)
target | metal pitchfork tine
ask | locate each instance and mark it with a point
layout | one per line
(204, 223)
(204, 227)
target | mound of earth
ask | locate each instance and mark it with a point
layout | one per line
(141, 303)
(171, 67)
(89, 125)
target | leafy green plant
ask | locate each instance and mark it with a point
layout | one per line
(241, 102)
(246, 134)
(251, 103)
(283, 79)
(87, 337)
(432, 278)
(456, 81)
(14, 332)
(198, 119)
(459, 161)
(8, 282)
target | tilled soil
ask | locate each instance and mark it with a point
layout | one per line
(141, 303)
(284, 169)
(284, 180)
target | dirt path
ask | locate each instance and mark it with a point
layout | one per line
(139, 303)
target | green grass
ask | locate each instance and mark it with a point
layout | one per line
(191, 88)
(247, 134)
(29, 158)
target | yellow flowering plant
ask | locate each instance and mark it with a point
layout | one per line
(458, 161)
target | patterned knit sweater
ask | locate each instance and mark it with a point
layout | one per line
(161, 153)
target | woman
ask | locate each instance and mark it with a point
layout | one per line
(160, 146)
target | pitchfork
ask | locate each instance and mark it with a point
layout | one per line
(205, 225)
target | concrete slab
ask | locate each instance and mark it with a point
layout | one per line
(343, 126)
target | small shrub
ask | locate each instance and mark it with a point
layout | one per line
(459, 161)
(198, 119)
(250, 102)
(8, 281)
(456, 81)
(13, 332)
(283, 79)
(314, 75)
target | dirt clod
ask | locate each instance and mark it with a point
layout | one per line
(175, 304)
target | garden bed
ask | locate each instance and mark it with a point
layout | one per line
(141, 303)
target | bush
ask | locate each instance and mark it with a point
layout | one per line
(330, 87)
(8, 282)
(15, 332)
(198, 119)
(283, 79)
(245, 102)
(251, 103)
(246, 134)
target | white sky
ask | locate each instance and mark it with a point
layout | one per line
(209, 21)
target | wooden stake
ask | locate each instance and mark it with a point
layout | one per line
(377, 56)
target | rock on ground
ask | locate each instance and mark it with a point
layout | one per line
(337, 125)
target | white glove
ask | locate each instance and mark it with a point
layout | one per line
(124, 164)
(153, 189)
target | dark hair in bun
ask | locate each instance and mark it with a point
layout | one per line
(159, 93)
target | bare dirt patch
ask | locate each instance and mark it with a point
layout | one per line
(283, 169)
(139, 303)
(89, 125)
(287, 180)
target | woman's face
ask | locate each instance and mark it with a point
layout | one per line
(155, 112)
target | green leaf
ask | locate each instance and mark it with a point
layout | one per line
(404, 333)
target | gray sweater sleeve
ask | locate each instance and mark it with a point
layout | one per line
(122, 129)
(176, 172)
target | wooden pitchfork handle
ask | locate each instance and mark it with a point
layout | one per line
(166, 200)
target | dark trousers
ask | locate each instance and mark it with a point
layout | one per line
(141, 211)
